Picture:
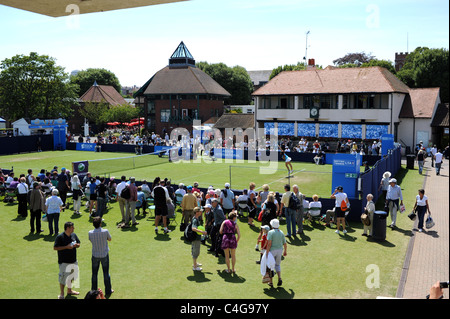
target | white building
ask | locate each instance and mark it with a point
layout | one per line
(355, 103)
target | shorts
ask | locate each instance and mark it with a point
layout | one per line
(93, 197)
(195, 250)
(65, 270)
(339, 213)
(161, 210)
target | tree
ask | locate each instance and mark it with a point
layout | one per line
(121, 113)
(426, 68)
(235, 80)
(95, 112)
(383, 63)
(357, 58)
(287, 67)
(86, 78)
(33, 86)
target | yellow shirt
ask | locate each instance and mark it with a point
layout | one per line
(188, 202)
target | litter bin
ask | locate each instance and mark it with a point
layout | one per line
(379, 225)
(410, 161)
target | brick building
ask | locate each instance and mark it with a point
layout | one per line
(179, 94)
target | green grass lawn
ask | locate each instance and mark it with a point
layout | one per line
(319, 264)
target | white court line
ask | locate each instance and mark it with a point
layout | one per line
(281, 178)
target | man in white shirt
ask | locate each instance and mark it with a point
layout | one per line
(122, 201)
(393, 196)
(438, 161)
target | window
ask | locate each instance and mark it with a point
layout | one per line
(165, 115)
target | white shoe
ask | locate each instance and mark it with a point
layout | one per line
(337, 231)
(345, 232)
(197, 268)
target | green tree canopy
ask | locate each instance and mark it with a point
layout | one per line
(233, 79)
(86, 78)
(287, 67)
(425, 68)
(357, 59)
(121, 113)
(33, 86)
(383, 63)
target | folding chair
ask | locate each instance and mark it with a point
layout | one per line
(314, 214)
(242, 208)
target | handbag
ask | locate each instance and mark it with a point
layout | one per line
(44, 218)
(365, 219)
(412, 215)
(429, 222)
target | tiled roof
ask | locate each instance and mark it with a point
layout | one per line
(419, 103)
(106, 93)
(334, 81)
(235, 120)
(188, 80)
(441, 116)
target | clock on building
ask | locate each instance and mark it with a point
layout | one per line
(314, 112)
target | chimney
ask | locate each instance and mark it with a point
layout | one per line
(311, 64)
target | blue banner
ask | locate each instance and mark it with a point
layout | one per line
(90, 147)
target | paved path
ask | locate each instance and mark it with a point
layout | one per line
(427, 258)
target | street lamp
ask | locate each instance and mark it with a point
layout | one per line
(306, 49)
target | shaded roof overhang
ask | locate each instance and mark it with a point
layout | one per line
(59, 8)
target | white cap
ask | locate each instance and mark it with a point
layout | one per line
(275, 223)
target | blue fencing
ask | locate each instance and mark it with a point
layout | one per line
(370, 181)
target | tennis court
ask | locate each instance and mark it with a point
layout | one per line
(311, 178)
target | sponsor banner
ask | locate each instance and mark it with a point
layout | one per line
(86, 147)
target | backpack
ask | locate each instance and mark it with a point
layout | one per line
(189, 234)
(126, 193)
(344, 207)
(294, 202)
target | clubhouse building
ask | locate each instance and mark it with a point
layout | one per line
(347, 103)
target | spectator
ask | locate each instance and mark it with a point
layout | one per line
(370, 210)
(275, 243)
(122, 201)
(196, 243)
(63, 185)
(340, 197)
(66, 244)
(22, 192)
(299, 213)
(76, 194)
(102, 193)
(421, 159)
(141, 201)
(187, 205)
(37, 205)
(95, 294)
(288, 212)
(251, 203)
(219, 217)
(130, 204)
(421, 207)
(438, 161)
(53, 206)
(227, 199)
(314, 207)
(161, 197)
(393, 196)
(229, 241)
(99, 238)
(93, 196)
(384, 184)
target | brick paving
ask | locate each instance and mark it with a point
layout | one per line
(427, 259)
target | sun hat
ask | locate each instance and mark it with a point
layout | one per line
(393, 180)
(265, 227)
(275, 223)
(227, 184)
(387, 174)
(214, 200)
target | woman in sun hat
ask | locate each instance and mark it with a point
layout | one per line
(276, 241)
(384, 184)
(227, 199)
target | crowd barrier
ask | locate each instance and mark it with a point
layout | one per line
(25, 144)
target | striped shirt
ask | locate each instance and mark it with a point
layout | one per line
(99, 238)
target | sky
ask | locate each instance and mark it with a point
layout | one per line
(255, 34)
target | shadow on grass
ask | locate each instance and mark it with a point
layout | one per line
(199, 276)
(231, 277)
(279, 293)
